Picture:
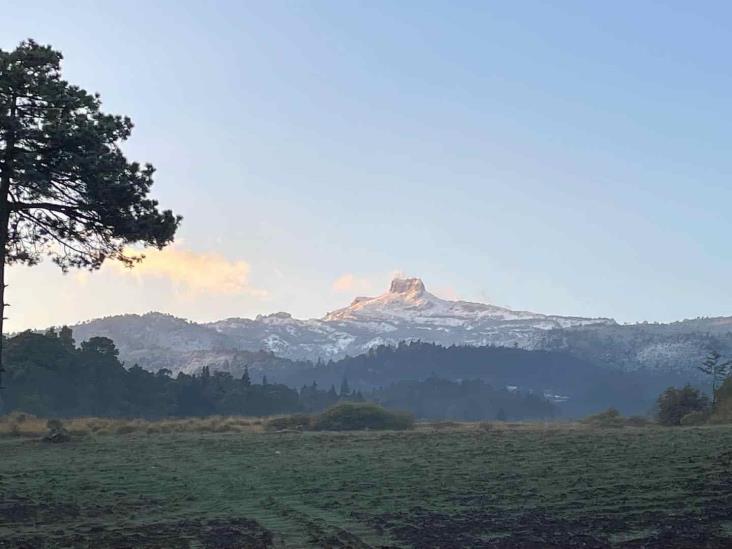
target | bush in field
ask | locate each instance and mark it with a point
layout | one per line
(612, 418)
(298, 422)
(57, 433)
(674, 404)
(722, 412)
(694, 418)
(355, 416)
(609, 418)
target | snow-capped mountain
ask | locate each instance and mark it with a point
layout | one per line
(408, 301)
(406, 312)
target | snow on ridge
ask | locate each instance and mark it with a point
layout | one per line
(407, 311)
(408, 300)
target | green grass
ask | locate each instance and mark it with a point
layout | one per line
(473, 487)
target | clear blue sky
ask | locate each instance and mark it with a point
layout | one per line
(561, 157)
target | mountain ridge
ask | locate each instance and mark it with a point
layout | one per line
(406, 312)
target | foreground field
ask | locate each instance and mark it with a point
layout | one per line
(450, 487)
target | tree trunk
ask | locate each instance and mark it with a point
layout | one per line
(2, 314)
(5, 181)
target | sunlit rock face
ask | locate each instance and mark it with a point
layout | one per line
(412, 286)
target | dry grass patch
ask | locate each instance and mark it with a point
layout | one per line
(18, 424)
(27, 425)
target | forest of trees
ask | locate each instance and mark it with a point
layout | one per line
(589, 386)
(467, 400)
(49, 375)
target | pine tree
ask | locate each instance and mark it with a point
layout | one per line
(716, 370)
(66, 335)
(66, 189)
(345, 391)
(245, 378)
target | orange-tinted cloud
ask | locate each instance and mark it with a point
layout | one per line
(194, 272)
(349, 283)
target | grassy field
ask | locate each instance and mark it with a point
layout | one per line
(452, 486)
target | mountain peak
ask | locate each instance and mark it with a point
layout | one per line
(407, 286)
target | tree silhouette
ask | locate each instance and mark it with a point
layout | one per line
(246, 378)
(673, 404)
(716, 370)
(345, 391)
(67, 337)
(66, 189)
(101, 345)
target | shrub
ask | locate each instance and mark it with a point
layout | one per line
(356, 416)
(57, 433)
(723, 408)
(673, 404)
(54, 424)
(609, 418)
(694, 418)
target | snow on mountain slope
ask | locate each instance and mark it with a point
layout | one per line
(406, 312)
(408, 301)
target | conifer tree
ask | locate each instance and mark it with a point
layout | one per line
(716, 370)
(245, 378)
(66, 335)
(345, 391)
(67, 191)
